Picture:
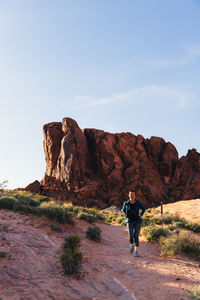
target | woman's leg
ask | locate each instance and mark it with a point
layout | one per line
(130, 232)
(136, 235)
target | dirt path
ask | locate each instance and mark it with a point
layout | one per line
(111, 272)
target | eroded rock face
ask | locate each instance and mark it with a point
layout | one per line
(93, 167)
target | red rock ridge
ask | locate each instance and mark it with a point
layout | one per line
(94, 167)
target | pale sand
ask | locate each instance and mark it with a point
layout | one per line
(187, 209)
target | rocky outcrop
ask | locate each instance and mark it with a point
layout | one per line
(94, 167)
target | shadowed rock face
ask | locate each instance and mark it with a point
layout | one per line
(94, 167)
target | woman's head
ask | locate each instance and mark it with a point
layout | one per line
(132, 195)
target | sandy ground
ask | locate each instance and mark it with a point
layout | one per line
(34, 272)
(187, 209)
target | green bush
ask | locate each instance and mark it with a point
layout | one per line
(160, 220)
(192, 226)
(180, 224)
(42, 198)
(168, 219)
(156, 221)
(27, 201)
(3, 254)
(171, 227)
(56, 212)
(195, 293)
(109, 219)
(3, 228)
(120, 219)
(87, 217)
(71, 257)
(93, 233)
(89, 214)
(153, 233)
(68, 206)
(123, 223)
(181, 242)
(8, 202)
(147, 221)
(195, 227)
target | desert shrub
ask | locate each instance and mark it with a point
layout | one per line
(123, 223)
(71, 257)
(89, 214)
(93, 233)
(181, 242)
(169, 246)
(146, 221)
(150, 220)
(3, 254)
(192, 226)
(42, 198)
(96, 213)
(56, 212)
(153, 233)
(68, 206)
(156, 221)
(167, 219)
(87, 217)
(109, 219)
(25, 200)
(171, 227)
(195, 293)
(26, 209)
(3, 228)
(114, 217)
(120, 219)
(195, 227)
(180, 224)
(8, 202)
(76, 209)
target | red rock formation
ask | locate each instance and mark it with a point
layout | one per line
(93, 167)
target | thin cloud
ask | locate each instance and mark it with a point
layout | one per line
(155, 95)
(192, 55)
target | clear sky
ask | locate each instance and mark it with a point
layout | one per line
(116, 65)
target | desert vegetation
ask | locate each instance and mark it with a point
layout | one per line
(174, 235)
(195, 293)
(43, 206)
(71, 257)
(93, 233)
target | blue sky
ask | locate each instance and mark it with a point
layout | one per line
(114, 65)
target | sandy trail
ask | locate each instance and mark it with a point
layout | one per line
(111, 272)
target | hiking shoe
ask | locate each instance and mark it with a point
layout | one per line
(131, 249)
(136, 254)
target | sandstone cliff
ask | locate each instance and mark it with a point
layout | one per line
(94, 167)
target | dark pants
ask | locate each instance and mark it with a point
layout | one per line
(134, 231)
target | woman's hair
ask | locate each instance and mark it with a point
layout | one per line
(132, 190)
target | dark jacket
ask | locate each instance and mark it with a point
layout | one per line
(138, 206)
